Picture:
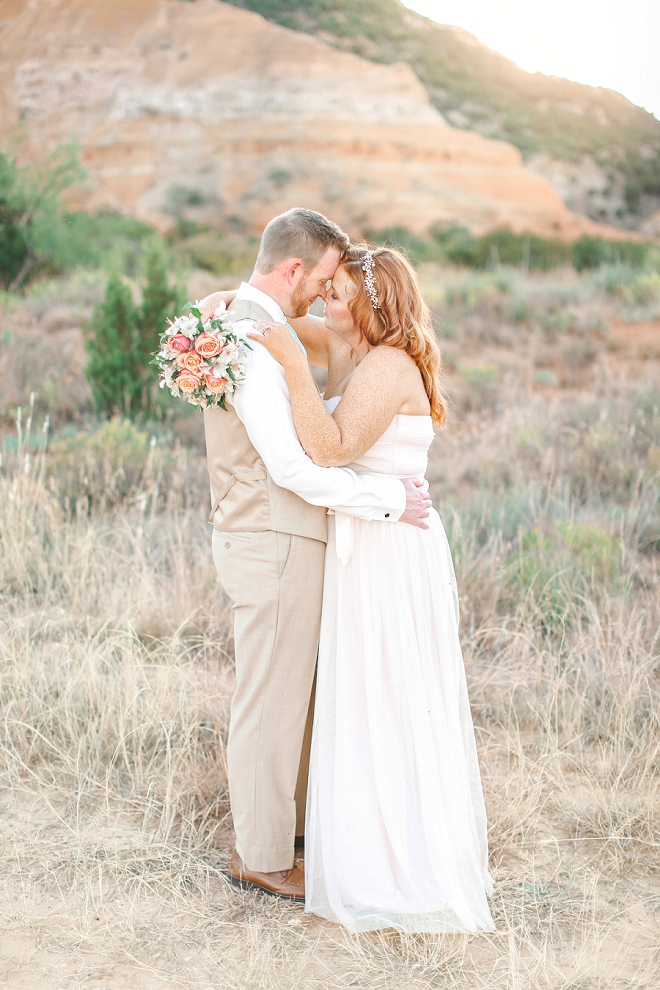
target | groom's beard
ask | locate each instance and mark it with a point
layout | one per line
(299, 302)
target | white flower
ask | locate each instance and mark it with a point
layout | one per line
(220, 311)
(229, 352)
(187, 325)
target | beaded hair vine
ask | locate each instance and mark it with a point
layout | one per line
(370, 283)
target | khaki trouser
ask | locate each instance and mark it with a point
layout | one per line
(276, 583)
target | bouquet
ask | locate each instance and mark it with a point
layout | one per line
(201, 363)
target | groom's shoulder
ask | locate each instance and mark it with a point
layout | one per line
(260, 365)
(247, 309)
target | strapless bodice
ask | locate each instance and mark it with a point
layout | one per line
(402, 450)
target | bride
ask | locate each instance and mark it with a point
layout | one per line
(396, 827)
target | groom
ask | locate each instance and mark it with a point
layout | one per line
(269, 532)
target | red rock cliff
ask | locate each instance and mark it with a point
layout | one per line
(211, 105)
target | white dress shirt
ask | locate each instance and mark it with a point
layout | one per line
(263, 405)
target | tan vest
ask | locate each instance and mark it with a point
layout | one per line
(244, 497)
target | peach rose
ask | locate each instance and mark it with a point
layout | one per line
(214, 384)
(188, 382)
(189, 361)
(207, 346)
(179, 342)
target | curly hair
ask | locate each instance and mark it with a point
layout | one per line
(402, 319)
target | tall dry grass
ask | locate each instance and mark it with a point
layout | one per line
(116, 675)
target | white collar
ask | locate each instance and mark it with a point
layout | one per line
(252, 294)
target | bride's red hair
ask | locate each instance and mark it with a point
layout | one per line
(402, 320)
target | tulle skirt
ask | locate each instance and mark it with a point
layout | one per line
(396, 826)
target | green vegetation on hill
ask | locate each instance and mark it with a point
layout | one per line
(500, 247)
(482, 90)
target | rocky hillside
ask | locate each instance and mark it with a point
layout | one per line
(600, 152)
(211, 112)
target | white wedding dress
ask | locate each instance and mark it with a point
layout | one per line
(396, 826)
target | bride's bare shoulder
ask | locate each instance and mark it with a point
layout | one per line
(384, 357)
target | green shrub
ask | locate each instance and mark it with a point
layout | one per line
(111, 347)
(555, 568)
(518, 309)
(520, 250)
(537, 571)
(545, 377)
(502, 247)
(483, 380)
(614, 279)
(480, 374)
(592, 252)
(32, 221)
(93, 238)
(479, 288)
(37, 234)
(645, 288)
(218, 253)
(160, 301)
(100, 466)
(123, 338)
(457, 245)
(561, 321)
(13, 247)
(418, 249)
(589, 252)
(642, 177)
(595, 554)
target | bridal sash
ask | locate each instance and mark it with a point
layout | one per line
(343, 536)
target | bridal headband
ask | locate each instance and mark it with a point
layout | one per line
(370, 283)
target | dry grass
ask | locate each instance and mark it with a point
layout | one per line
(116, 673)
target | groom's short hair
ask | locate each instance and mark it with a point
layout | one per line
(299, 233)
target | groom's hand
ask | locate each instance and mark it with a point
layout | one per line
(418, 503)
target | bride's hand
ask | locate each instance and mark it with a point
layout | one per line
(278, 341)
(209, 304)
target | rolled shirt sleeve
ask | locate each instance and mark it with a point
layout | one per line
(263, 405)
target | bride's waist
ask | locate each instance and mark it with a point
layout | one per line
(404, 477)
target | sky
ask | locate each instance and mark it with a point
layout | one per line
(610, 43)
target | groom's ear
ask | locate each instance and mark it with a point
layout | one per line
(293, 269)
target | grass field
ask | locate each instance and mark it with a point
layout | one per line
(116, 663)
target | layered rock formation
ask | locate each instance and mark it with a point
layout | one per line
(207, 108)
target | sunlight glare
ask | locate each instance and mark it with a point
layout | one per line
(605, 43)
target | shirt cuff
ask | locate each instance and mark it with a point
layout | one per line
(394, 502)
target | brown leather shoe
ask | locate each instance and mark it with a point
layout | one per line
(285, 883)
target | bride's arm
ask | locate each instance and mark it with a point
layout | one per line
(209, 304)
(315, 337)
(377, 389)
